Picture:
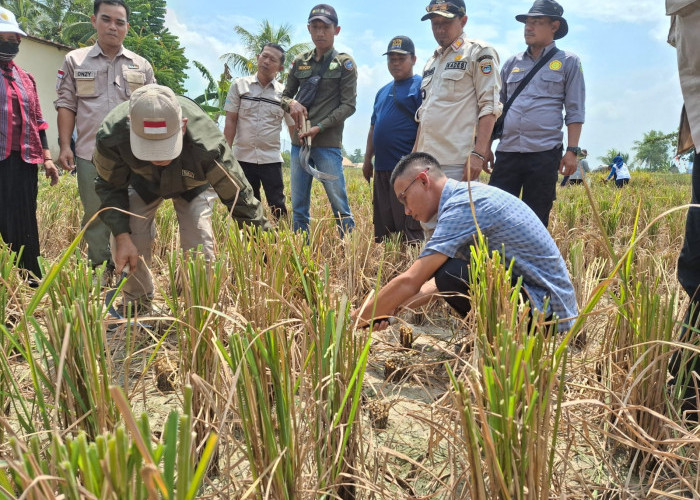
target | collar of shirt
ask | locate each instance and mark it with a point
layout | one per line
(97, 51)
(455, 46)
(552, 45)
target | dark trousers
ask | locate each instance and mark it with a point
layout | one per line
(621, 182)
(389, 215)
(452, 279)
(689, 278)
(18, 225)
(270, 176)
(533, 174)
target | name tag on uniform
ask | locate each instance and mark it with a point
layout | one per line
(133, 66)
(456, 65)
(303, 68)
(85, 74)
(187, 173)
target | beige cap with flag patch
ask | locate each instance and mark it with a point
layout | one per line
(155, 119)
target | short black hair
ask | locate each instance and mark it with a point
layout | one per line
(121, 3)
(274, 46)
(408, 161)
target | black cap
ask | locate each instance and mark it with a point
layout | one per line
(325, 13)
(445, 8)
(401, 45)
(547, 8)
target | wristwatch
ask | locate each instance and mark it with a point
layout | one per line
(574, 149)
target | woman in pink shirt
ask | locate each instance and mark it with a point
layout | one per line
(23, 146)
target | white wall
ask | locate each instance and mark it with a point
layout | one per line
(43, 60)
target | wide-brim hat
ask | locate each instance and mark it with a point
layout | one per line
(8, 22)
(548, 8)
(155, 119)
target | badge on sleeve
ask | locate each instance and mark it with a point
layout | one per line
(486, 67)
(348, 65)
(59, 77)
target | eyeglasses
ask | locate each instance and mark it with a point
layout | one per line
(402, 195)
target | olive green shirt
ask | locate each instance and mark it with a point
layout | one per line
(335, 98)
(205, 160)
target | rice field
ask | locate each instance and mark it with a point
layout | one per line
(250, 381)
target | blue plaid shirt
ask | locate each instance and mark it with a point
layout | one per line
(507, 223)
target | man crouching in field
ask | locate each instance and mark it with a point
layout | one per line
(157, 146)
(506, 222)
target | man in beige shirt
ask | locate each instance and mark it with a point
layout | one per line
(91, 82)
(460, 90)
(253, 125)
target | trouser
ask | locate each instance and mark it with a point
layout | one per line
(621, 182)
(18, 224)
(389, 215)
(452, 280)
(97, 233)
(194, 218)
(533, 174)
(330, 161)
(270, 176)
(689, 278)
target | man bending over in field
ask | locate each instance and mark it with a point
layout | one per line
(157, 146)
(506, 222)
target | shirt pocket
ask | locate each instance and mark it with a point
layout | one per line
(89, 82)
(513, 82)
(454, 80)
(552, 83)
(134, 80)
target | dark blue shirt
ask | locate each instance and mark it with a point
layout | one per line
(394, 130)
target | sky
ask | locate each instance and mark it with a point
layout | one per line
(630, 71)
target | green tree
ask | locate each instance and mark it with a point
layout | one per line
(68, 22)
(247, 64)
(357, 156)
(214, 97)
(607, 158)
(654, 151)
(27, 12)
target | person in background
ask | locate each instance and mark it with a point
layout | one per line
(334, 102)
(529, 155)
(619, 172)
(391, 135)
(253, 124)
(460, 89)
(24, 147)
(91, 82)
(685, 36)
(577, 176)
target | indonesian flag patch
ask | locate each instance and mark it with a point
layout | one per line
(155, 127)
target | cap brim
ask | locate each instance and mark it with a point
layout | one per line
(4, 29)
(325, 19)
(156, 149)
(442, 13)
(397, 52)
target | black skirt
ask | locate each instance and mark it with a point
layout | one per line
(18, 226)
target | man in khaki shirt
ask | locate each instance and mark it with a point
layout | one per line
(460, 90)
(253, 125)
(91, 82)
